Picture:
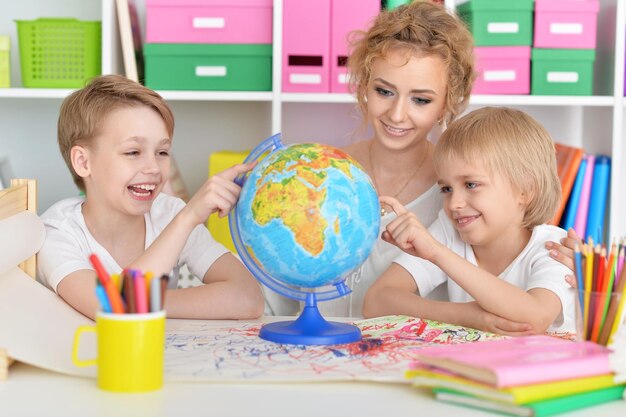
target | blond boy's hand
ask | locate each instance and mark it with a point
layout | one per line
(408, 233)
(218, 194)
(486, 321)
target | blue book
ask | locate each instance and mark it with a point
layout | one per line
(568, 219)
(598, 198)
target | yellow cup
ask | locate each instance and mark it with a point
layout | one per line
(130, 351)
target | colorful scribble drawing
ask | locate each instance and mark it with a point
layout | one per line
(202, 350)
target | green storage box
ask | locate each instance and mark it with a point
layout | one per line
(499, 22)
(222, 67)
(562, 72)
(59, 53)
(5, 68)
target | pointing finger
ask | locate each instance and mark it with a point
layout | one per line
(395, 205)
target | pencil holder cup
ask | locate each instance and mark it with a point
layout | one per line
(130, 351)
(598, 315)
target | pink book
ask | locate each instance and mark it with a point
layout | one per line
(520, 360)
(580, 226)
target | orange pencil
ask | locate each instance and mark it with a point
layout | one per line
(114, 296)
(604, 295)
(598, 308)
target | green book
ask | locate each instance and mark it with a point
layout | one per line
(536, 409)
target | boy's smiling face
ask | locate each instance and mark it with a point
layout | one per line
(483, 206)
(129, 161)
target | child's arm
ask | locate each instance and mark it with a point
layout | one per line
(232, 292)
(538, 307)
(218, 193)
(396, 292)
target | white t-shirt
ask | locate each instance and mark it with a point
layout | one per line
(425, 207)
(69, 243)
(533, 268)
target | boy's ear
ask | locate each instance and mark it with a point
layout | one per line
(80, 160)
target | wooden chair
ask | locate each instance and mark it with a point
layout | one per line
(20, 196)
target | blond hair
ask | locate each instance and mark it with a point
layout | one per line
(83, 112)
(421, 28)
(513, 144)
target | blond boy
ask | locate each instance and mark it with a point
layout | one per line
(496, 169)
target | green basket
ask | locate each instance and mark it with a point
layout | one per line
(59, 53)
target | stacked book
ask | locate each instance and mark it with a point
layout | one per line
(525, 376)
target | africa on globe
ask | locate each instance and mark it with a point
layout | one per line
(308, 215)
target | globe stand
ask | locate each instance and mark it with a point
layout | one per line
(310, 328)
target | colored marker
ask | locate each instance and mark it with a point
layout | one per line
(114, 296)
(155, 294)
(102, 297)
(129, 291)
(140, 292)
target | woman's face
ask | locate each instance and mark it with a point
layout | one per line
(406, 97)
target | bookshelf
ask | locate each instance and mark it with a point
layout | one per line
(208, 121)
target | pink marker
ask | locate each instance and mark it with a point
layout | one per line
(140, 292)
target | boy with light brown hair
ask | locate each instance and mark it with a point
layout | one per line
(115, 136)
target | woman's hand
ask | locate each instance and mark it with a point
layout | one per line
(564, 251)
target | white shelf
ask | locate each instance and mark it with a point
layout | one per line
(522, 100)
(216, 95)
(35, 93)
(317, 98)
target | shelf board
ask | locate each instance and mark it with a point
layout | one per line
(529, 100)
(317, 98)
(216, 95)
(35, 92)
(495, 100)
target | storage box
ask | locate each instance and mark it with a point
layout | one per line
(59, 53)
(346, 16)
(5, 59)
(306, 46)
(562, 71)
(209, 21)
(224, 67)
(502, 70)
(566, 24)
(498, 22)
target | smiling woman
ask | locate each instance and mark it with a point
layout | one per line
(411, 71)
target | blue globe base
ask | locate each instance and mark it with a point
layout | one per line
(310, 329)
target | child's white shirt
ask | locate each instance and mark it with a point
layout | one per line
(69, 243)
(532, 268)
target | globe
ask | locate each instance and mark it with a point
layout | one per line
(307, 216)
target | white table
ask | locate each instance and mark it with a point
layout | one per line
(31, 392)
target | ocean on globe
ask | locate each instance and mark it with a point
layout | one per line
(308, 215)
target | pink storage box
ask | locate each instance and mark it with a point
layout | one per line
(306, 46)
(502, 70)
(346, 16)
(566, 24)
(209, 21)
